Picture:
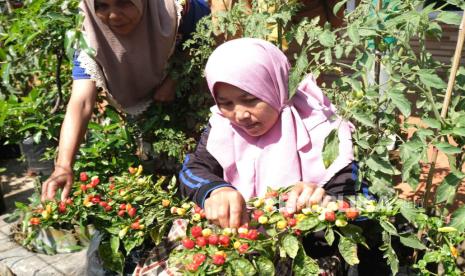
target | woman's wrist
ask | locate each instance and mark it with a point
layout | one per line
(64, 167)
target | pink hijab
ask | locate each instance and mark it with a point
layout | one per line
(291, 150)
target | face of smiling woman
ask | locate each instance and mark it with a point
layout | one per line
(244, 110)
(121, 16)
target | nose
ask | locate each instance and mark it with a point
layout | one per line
(242, 114)
(114, 14)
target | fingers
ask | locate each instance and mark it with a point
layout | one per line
(304, 197)
(66, 189)
(245, 218)
(237, 210)
(52, 187)
(226, 208)
(316, 197)
(326, 200)
(293, 195)
(44, 190)
(223, 214)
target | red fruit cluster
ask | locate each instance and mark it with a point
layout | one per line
(127, 208)
(105, 206)
(83, 177)
(62, 207)
(200, 211)
(34, 221)
(224, 240)
(352, 213)
(196, 231)
(330, 216)
(94, 182)
(95, 199)
(132, 212)
(257, 214)
(218, 259)
(188, 243)
(291, 222)
(213, 239)
(201, 241)
(243, 248)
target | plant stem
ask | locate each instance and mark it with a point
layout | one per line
(445, 106)
(377, 72)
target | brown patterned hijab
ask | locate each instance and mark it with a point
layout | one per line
(134, 64)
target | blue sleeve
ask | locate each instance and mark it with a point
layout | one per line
(201, 173)
(78, 72)
(195, 10)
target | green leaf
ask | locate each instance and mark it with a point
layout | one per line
(432, 123)
(307, 223)
(304, 265)
(242, 267)
(327, 38)
(400, 101)
(377, 164)
(446, 191)
(291, 245)
(352, 31)
(431, 80)
(85, 47)
(114, 242)
(328, 56)
(338, 6)
(458, 219)
(447, 148)
(364, 119)
(432, 257)
(412, 241)
(354, 232)
(265, 266)
(122, 233)
(329, 235)
(5, 73)
(338, 51)
(448, 17)
(348, 250)
(297, 72)
(70, 38)
(459, 131)
(388, 227)
(111, 260)
(408, 210)
(331, 148)
(37, 137)
(389, 253)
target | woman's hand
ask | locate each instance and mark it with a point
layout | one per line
(62, 177)
(226, 207)
(166, 91)
(305, 195)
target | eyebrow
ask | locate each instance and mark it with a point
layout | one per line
(243, 95)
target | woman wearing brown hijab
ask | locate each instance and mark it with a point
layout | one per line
(132, 41)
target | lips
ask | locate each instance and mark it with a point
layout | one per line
(249, 126)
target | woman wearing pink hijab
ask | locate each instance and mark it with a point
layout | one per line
(259, 138)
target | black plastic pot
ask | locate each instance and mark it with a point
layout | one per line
(34, 153)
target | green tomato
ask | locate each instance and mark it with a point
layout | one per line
(358, 94)
(382, 46)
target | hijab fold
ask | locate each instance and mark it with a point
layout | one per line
(133, 64)
(291, 150)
